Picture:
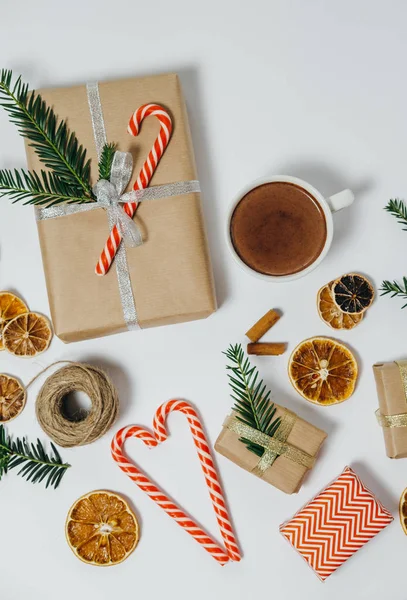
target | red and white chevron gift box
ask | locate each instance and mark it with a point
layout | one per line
(336, 523)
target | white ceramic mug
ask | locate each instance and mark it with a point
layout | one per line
(328, 205)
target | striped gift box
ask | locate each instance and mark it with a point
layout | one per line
(336, 523)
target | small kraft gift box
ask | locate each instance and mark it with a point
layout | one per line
(168, 279)
(391, 385)
(335, 524)
(287, 456)
(262, 437)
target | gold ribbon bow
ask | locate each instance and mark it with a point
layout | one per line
(273, 446)
(399, 420)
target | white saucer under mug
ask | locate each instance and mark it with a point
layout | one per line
(328, 205)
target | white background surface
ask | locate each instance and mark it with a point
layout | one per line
(312, 89)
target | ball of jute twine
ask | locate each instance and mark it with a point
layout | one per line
(76, 377)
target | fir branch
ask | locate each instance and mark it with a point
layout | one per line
(395, 289)
(36, 464)
(398, 209)
(56, 146)
(46, 189)
(106, 160)
(251, 397)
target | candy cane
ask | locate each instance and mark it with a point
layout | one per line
(208, 467)
(146, 173)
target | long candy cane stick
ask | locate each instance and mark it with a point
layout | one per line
(207, 464)
(209, 469)
(109, 251)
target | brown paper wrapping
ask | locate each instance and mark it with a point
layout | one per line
(171, 273)
(392, 401)
(283, 474)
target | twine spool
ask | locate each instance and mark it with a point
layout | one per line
(74, 377)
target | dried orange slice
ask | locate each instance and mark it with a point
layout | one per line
(101, 529)
(12, 398)
(353, 293)
(403, 510)
(331, 314)
(10, 307)
(27, 335)
(323, 371)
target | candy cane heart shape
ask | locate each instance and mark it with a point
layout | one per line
(109, 251)
(222, 555)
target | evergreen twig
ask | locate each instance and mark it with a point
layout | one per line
(36, 463)
(251, 397)
(395, 289)
(398, 209)
(55, 145)
(106, 160)
(46, 189)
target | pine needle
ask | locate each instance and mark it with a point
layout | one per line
(251, 397)
(398, 209)
(395, 289)
(106, 160)
(55, 145)
(36, 464)
(46, 189)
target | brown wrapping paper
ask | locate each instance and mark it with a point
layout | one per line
(171, 273)
(392, 401)
(283, 474)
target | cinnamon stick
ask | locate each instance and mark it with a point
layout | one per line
(263, 325)
(266, 348)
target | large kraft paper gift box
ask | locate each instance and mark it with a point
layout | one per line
(391, 384)
(170, 274)
(299, 443)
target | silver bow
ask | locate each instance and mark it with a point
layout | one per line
(110, 196)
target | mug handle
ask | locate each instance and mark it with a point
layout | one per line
(340, 200)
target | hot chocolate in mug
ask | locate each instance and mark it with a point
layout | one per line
(280, 228)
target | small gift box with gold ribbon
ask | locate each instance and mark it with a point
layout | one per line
(264, 438)
(391, 384)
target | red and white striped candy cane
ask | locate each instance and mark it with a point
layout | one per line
(146, 173)
(208, 467)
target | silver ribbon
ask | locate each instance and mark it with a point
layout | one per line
(109, 196)
(96, 113)
(155, 192)
(122, 268)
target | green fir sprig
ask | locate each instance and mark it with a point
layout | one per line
(395, 289)
(251, 397)
(68, 178)
(106, 160)
(398, 209)
(36, 464)
(56, 146)
(46, 188)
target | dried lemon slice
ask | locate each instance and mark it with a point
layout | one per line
(323, 371)
(352, 293)
(331, 314)
(12, 398)
(101, 529)
(27, 335)
(10, 307)
(403, 511)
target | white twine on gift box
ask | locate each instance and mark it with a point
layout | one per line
(112, 204)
